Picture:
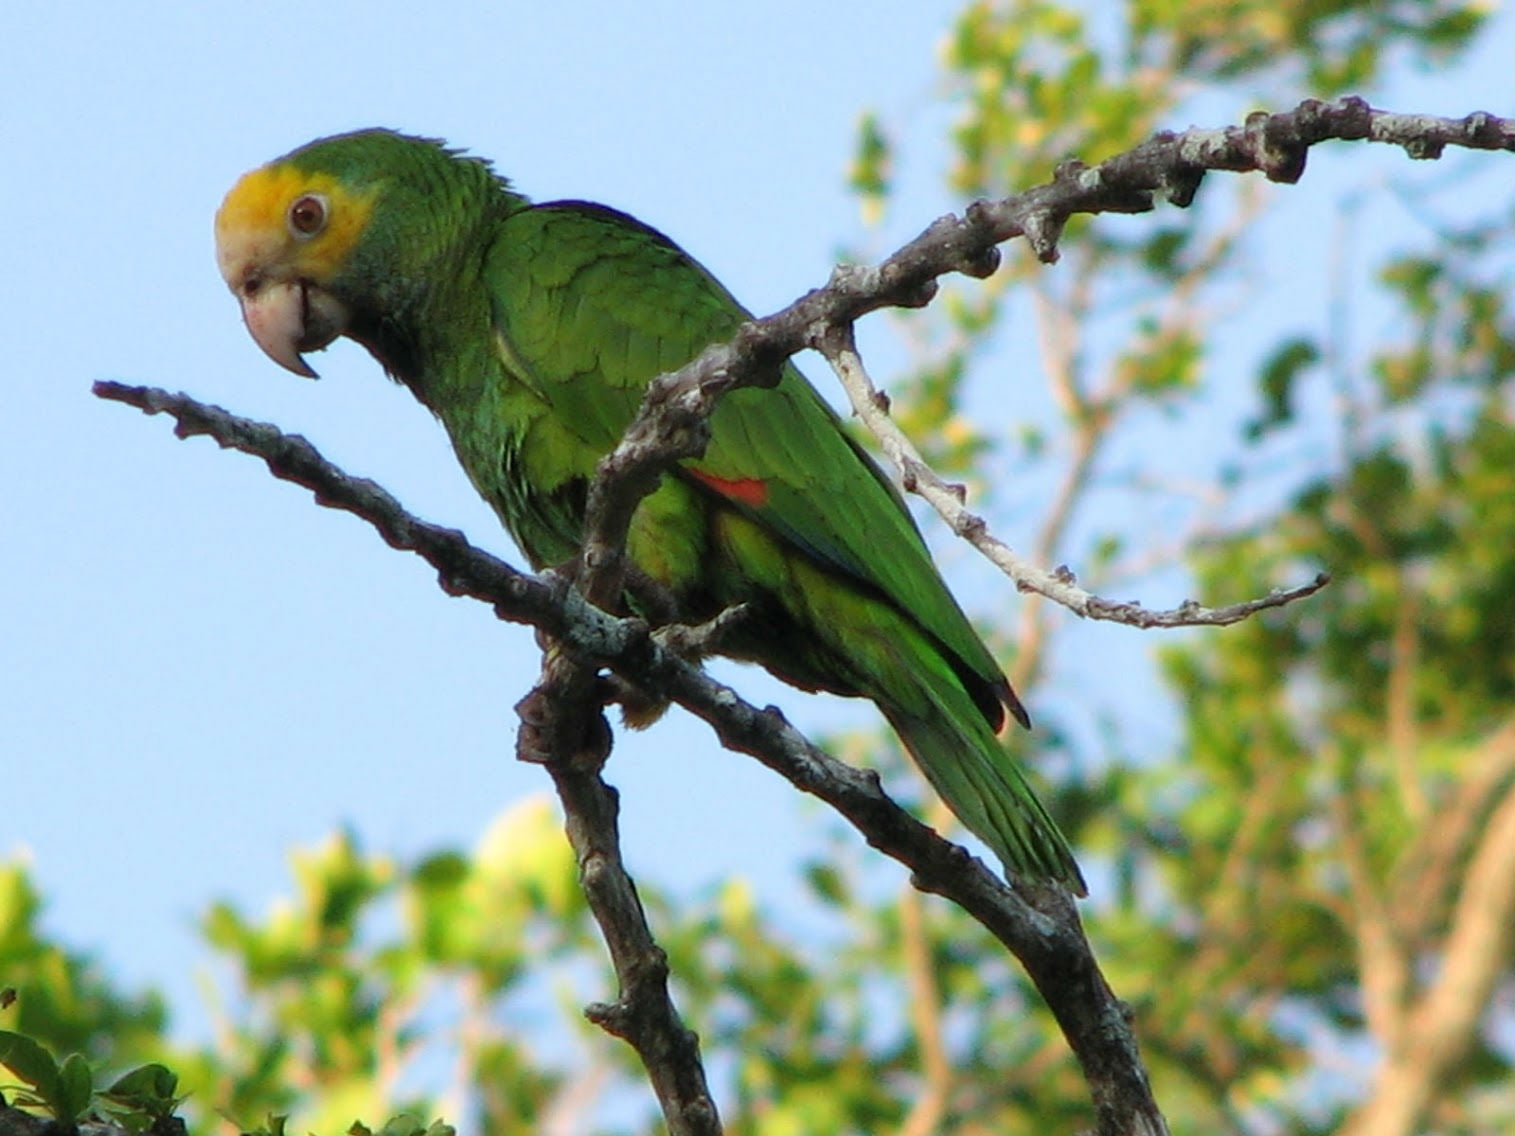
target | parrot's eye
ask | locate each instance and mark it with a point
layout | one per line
(307, 216)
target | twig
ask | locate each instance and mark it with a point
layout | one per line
(948, 500)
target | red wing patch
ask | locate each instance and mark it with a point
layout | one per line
(751, 491)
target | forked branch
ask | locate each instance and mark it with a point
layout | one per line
(562, 717)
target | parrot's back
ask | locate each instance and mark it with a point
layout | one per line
(533, 333)
(784, 512)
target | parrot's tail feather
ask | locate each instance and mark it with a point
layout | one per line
(981, 783)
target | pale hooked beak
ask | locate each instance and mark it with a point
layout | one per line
(289, 317)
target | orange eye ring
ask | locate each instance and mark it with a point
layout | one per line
(307, 216)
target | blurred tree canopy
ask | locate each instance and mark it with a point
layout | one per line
(1306, 887)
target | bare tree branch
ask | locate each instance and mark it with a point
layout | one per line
(1426, 871)
(1440, 1024)
(671, 422)
(925, 1115)
(562, 721)
(948, 500)
(1039, 925)
(1426, 1022)
(643, 1015)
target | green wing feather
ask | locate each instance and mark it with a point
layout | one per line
(589, 306)
(592, 305)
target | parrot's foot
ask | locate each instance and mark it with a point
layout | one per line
(638, 708)
(550, 734)
(690, 642)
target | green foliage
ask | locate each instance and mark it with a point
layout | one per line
(63, 1001)
(871, 174)
(1331, 754)
(404, 1126)
(39, 1073)
(1330, 757)
(139, 1101)
(142, 1099)
(1277, 379)
(1460, 324)
(1335, 46)
(374, 969)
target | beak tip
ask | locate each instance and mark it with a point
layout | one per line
(280, 320)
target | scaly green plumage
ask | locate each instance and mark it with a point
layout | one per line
(532, 333)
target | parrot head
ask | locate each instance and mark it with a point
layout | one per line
(342, 236)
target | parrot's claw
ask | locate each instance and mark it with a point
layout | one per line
(694, 642)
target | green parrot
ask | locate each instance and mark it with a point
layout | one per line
(532, 332)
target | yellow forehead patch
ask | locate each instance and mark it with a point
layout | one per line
(252, 227)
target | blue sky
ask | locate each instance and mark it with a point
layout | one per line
(203, 669)
(200, 668)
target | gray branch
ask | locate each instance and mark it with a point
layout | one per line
(562, 718)
(1169, 167)
(1039, 925)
